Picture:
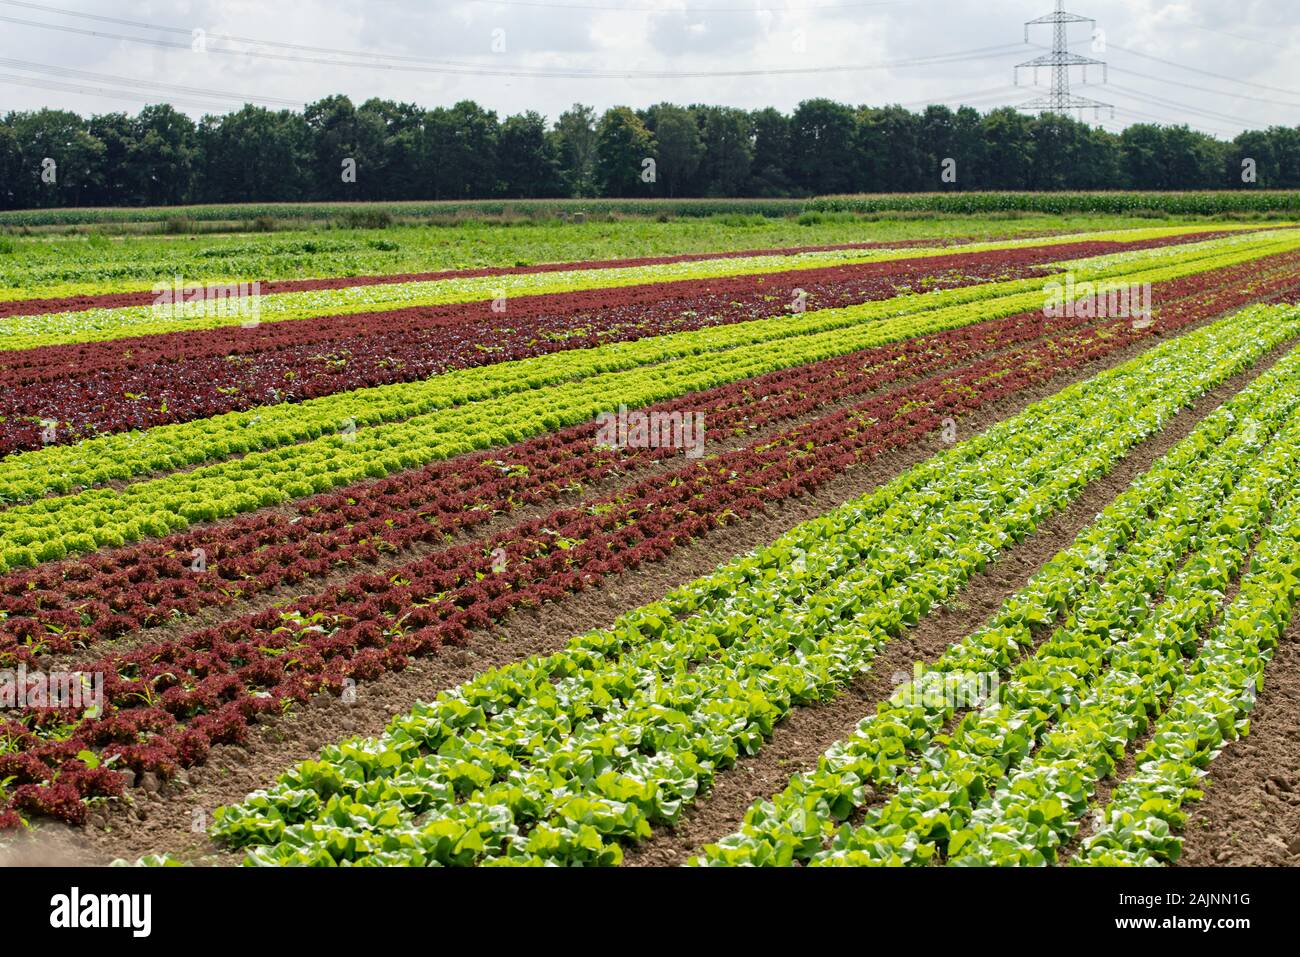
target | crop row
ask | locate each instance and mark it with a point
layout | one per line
(49, 528)
(795, 824)
(559, 758)
(143, 295)
(1210, 707)
(98, 325)
(372, 623)
(335, 333)
(118, 457)
(93, 461)
(63, 605)
(1195, 203)
(1036, 809)
(145, 382)
(1103, 587)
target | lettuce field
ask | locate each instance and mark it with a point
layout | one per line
(977, 545)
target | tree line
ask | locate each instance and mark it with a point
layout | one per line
(383, 150)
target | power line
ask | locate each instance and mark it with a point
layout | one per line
(135, 96)
(278, 44)
(963, 99)
(1165, 121)
(148, 84)
(937, 60)
(1203, 89)
(232, 38)
(1176, 104)
(1237, 36)
(1217, 76)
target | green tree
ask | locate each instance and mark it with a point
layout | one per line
(822, 147)
(162, 155)
(11, 167)
(1100, 161)
(622, 144)
(396, 132)
(1009, 146)
(460, 154)
(1285, 143)
(1192, 160)
(114, 185)
(60, 136)
(255, 155)
(575, 141)
(679, 147)
(890, 156)
(1256, 145)
(768, 170)
(1142, 146)
(945, 135)
(344, 141)
(528, 162)
(728, 151)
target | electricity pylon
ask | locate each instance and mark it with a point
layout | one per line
(1060, 60)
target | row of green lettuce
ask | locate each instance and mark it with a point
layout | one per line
(1008, 783)
(274, 454)
(1209, 708)
(105, 323)
(91, 264)
(564, 758)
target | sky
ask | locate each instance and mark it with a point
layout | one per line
(1217, 66)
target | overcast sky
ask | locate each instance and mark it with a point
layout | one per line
(435, 52)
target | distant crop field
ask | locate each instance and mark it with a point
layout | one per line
(1117, 203)
(178, 219)
(363, 213)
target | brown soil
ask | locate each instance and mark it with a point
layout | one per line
(152, 821)
(1250, 815)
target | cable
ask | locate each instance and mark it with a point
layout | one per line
(1165, 121)
(356, 54)
(127, 81)
(1237, 36)
(1174, 104)
(962, 99)
(1202, 89)
(132, 95)
(1217, 76)
(189, 32)
(938, 60)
